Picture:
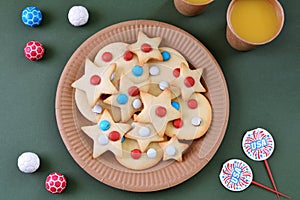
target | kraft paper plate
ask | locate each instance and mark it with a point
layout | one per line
(167, 173)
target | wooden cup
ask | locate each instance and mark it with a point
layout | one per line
(241, 44)
(190, 9)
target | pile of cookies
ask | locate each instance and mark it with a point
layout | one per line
(145, 101)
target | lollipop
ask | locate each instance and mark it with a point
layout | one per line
(236, 175)
(258, 145)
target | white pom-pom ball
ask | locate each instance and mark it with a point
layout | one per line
(28, 162)
(78, 15)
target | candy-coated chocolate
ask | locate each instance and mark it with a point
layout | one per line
(192, 103)
(114, 136)
(107, 56)
(133, 91)
(176, 72)
(104, 125)
(128, 55)
(154, 70)
(103, 140)
(136, 153)
(189, 81)
(163, 85)
(137, 104)
(122, 99)
(144, 131)
(151, 153)
(175, 105)
(178, 123)
(166, 55)
(196, 121)
(161, 111)
(146, 48)
(95, 80)
(137, 70)
(97, 109)
(170, 150)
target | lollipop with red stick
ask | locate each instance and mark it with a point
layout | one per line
(236, 175)
(258, 145)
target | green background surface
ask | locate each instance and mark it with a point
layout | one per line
(263, 87)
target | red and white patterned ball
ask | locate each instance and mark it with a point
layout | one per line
(55, 183)
(34, 50)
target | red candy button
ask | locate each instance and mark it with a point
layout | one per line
(128, 55)
(95, 80)
(178, 123)
(55, 183)
(176, 72)
(189, 81)
(106, 56)
(136, 153)
(133, 91)
(146, 48)
(114, 136)
(161, 111)
(192, 104)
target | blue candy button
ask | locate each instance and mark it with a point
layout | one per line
(32, 16)
(122, 99)
(166, 55)
(175, 105)
(137, 70)
(104, 125)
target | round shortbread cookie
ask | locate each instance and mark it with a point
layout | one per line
(196, 118)
(94, 114)
(134, 159)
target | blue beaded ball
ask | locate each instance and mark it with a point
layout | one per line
(32, 16)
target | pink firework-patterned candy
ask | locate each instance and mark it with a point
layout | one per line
(236, 175)
(258, 144)
(55, 183)
(34, 50)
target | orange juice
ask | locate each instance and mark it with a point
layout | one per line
(198, 1)
(254, 20)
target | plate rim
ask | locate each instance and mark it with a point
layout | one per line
(135, 24)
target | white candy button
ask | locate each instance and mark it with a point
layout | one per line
(103, 140)
(154, 71)
(137, 103)
(97, 109)
(113, 75)
(170, 150)
(151, 153)
(196, 121)
(144, 131)
(163, 85)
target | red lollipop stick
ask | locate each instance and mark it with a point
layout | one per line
(271, 176)
(270, 189)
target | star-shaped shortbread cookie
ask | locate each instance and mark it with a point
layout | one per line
(128, 97)
(96, 81)
(144, 134)
(107, 135)
(188, 81)
(146, 48)
(173, 149)
(157, 110)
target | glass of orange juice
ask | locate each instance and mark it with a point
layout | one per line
(251, 23)
(191, 7)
